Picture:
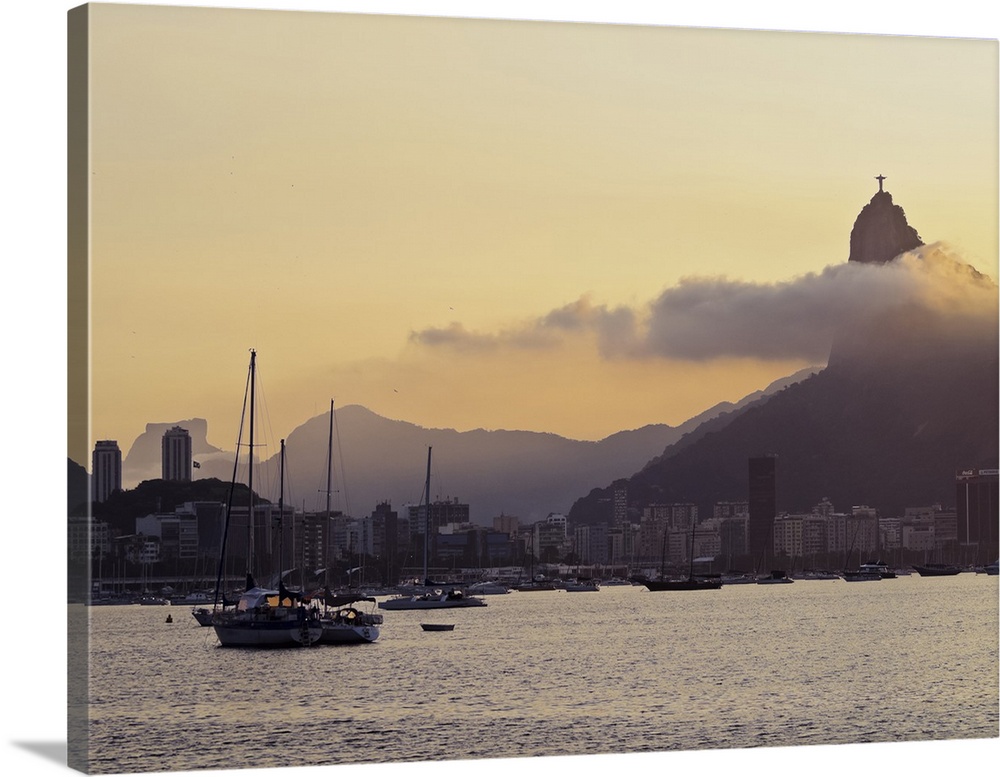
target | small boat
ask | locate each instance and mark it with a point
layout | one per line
(936, 570)
(487, 588)
(691, 583)
(538, 585)
(817, 574)
(880, 568)
(156, 600)
(437, 626)
(992, 569)
(344, 624)
(582, 585)
(433, 600)
(860, 576)
(777, 576)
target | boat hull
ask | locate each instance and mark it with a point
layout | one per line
(683, 585)
(932, 570)
(267, 633)
(342, 634)
(416, 603)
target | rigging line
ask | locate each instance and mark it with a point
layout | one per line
(343, 470)
(264, 469)
(232, 488)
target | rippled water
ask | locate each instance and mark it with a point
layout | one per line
(556, 673)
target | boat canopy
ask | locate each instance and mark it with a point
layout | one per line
(339, 600)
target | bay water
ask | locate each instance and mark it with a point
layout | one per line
(618, 670)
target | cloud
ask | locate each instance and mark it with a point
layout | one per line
(703, 318)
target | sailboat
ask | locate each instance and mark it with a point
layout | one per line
(263, 617)
(341, 621)
(434, 598)
(865, 573)
(692, 583)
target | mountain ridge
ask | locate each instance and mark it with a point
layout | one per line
(523, 473)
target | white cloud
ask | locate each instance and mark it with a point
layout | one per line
(703, 318)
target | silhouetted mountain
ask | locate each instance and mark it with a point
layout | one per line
(143, 460)
(154, 496)
(881, 232)
(909, 398)
(527, 474)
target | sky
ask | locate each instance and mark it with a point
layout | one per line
(470, 223)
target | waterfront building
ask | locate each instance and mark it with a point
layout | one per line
(550, 539)
(508, 524)
(733, 537)
(619, 503)
(177, 534)
(788, 535)
(976, 506)
(176, 455)
(106, 466)
(762, 506)
(87, 538)
(730, 509)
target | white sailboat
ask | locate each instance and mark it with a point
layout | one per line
(435, 597)
(342, 622)
(263, 617)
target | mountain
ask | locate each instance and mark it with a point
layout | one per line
(143, 460)
(881, 231)
(908, 398)
(527, 474)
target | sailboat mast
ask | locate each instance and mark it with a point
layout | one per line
(250, 515)
(329, 491)
(281, 514)
(691, 568)
(427, 511)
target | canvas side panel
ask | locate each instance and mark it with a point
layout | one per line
(78, 389)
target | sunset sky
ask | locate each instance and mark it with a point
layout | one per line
(564, 227)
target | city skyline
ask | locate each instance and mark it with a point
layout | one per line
(460, 239)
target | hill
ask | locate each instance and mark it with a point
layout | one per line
(909, 397)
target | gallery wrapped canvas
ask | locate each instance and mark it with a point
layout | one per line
(658, 362)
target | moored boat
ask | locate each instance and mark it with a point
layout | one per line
(777, 576)
(685, 584)
(267, 618)
(344, 624)
(433, 600)
(936, 570)
(487, 588)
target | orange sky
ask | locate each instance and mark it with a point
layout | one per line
(341, 191)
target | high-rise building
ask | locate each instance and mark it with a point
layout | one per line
(177, 455)
(106, 466)
(620, 504)
(763, 507)
(977, 507)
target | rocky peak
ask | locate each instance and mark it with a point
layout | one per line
(881, 232)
